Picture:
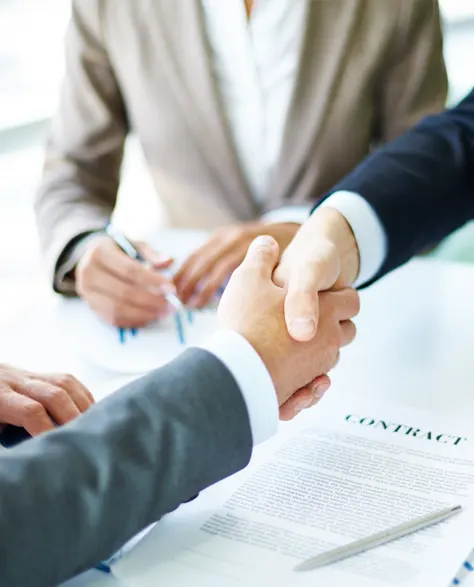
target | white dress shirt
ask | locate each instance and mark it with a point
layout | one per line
(253, 379)
(255, 64)
(368, 232)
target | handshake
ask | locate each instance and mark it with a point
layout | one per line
(297, 313)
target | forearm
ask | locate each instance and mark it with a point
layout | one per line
(92, 485)
(421, 186)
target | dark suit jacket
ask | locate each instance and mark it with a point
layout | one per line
(70, 498)
(422, 184)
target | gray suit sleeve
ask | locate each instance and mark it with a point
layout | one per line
(70, 498)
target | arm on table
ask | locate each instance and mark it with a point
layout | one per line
(72, 497)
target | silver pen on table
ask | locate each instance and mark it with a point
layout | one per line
(364, 544)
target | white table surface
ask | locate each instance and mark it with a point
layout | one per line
(415, 343)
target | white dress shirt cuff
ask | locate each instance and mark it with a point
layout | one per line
(368, 232)
(253, 379)
(297, 214)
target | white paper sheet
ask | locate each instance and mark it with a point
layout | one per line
(324, 481)
(153, 346)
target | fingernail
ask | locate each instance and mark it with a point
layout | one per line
(162, 258)
(193, 302)
(265, 241)
(303, 327)
(321, 390)
(167, 288)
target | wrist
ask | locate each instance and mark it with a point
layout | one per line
(332, 225)
(273, 355)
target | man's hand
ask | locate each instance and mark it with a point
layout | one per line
(121, 290)
(253, 306)
(33, 401)
(322, 256)
(208, 268)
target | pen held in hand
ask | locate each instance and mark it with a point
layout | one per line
(127, 247)
(378, 539)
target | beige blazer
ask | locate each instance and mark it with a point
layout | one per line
(369, 69)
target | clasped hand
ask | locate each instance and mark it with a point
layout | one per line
(253, 305)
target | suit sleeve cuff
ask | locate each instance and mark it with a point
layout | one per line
(253, 379)
(68, 262)
(296, 214)
(368, 232)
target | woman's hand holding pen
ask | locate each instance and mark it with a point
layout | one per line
(123, 291)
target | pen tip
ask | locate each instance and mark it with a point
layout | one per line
(300, 567)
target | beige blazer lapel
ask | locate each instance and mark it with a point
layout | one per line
(317, 76)
(182, 39)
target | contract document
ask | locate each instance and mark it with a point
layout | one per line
(335, 474)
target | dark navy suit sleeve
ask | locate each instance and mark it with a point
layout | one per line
(422, 184)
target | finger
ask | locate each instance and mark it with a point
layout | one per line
(199, 265)
(126, 294)
(194, 258)
(305, 397)
(335, 363)
(348, 332)
(346, 302)
(157, 260)
(55, 400)
(114, 261)
(219, 275)
(78, 392)
(118, 314)
(261, 258)
(22, 411)
(314, 273)
(300, 400)
(165, 264)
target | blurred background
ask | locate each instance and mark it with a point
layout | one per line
(31, 67)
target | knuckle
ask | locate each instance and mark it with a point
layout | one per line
(234, 233)
(94, 251)
(57, 394)
(132, 272)
(33, 411)
(233, 236)
(125, 293)
(65, 380)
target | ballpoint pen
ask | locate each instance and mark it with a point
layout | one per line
(126, 246)
(364, 544)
